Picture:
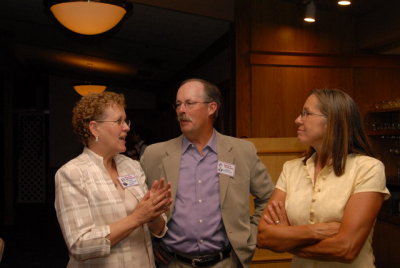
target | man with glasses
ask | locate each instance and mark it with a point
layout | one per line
(212, 176)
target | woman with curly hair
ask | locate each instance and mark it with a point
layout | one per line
(104, 209)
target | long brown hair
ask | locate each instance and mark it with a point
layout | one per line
(345, 132)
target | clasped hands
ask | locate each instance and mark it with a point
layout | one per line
(155, 202)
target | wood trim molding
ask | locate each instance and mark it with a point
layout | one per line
(278, 145)
(314, 60)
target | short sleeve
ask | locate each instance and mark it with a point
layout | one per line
(370, 177)
(281, 184)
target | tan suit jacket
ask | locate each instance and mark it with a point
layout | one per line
(163, 160)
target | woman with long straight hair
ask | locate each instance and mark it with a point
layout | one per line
(325, 204)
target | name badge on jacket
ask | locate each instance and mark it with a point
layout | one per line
(128, 181)
(226, 168)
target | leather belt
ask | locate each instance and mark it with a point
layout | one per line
(203, 260)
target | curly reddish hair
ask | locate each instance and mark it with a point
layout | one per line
(92, 107)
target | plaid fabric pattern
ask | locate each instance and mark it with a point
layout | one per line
(87, 202)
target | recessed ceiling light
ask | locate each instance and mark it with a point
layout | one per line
(344, 3)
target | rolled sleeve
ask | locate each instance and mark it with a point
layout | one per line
(164, 231)
(84, 239)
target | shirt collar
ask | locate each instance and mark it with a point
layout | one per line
(92, 155)
(310, 164)
(97, 158)
(212, 143)
(311, 160)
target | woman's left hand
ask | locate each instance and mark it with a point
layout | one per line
(276, 214)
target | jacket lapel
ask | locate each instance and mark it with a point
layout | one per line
(171, 163)
(225, 155)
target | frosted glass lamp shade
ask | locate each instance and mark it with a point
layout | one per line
(84, 90)
(88, 17)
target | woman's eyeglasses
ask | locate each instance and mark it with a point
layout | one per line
(118, 121)
(305, 114)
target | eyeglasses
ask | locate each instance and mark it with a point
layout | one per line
(188, 104)
(305, 114)
(120, 121)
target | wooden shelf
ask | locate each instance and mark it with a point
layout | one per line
(387, 110)
(384, 132)
(388, 118)
(389, 212)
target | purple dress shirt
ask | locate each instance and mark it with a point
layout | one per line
(196, 226)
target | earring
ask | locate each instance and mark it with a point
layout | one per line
(97, 138)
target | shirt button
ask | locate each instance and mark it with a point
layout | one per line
(313, 200)
(200, 200)
(199, 181)
(201, 241)
(200, 220)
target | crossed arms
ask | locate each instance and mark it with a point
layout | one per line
(331, 241)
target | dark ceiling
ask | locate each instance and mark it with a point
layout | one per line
(154, 45)
(149, 47)
(357, 7)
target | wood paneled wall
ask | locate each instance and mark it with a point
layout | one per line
(274, 152)
(278, 94)
(279, 59)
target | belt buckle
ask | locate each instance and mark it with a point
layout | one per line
(194, 262)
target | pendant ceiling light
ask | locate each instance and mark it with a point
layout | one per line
(86, 89)
(89, 17)
(310, 12)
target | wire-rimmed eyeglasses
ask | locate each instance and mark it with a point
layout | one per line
(305, 114)
(187, 104)
(120, 121)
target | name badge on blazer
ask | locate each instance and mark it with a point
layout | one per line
(226, 168)
(128, 181)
